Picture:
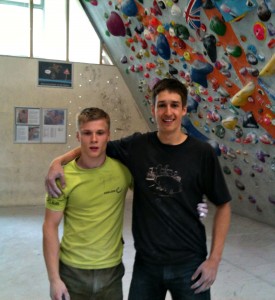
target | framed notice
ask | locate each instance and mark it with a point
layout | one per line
(27, 125)
(55, 74)
(54, 125)
(40, 125)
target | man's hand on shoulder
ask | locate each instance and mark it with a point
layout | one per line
(55, 172)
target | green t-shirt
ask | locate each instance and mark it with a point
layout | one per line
(93, 205)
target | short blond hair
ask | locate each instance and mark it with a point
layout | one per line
(92, 114)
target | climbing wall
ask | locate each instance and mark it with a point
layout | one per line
(224, 52)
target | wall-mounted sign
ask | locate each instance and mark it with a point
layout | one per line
(55, 74)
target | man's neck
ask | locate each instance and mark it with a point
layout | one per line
(90, 163)
(172, 138)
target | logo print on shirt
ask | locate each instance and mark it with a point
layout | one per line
(163, 180)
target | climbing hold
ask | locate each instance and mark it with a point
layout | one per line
(209, 43)
(115, 24)
(235, 51)
(139, 28)
(153, 50)
(124, 60)
(217, 25)
(181, 31)
(250, 138)
(161, 4)
(269, 68)
(208, 4)
(230, 122)
(226, 170)
(253, 71)
(259, 31)
(199, 72)
(160, 29)
(172, 70)
(239, 185)
(163, 47)
(219, 131)
(261, 155)
(271, 44)
(241, 97)
(175, 10)
(263, 12)
(252, 199)
(243, 38)
(271, 29)
(155, 10)
(249, 120)
(213, 116)
(251, 58)
(252, 48)
(186, 55)
(257, 168)
(129, 8)
(192, 105)
(238, 131)
(238, 170)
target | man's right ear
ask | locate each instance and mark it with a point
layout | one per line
(78, 136)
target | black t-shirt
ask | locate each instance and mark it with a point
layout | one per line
(169, 182)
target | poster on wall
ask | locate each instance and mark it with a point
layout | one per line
(54, 125)
(54, 74)
(27, 125)
(40, 125)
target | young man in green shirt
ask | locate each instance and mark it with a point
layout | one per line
(88, 261)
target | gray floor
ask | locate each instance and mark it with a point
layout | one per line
(247, 271)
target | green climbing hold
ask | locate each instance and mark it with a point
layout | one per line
(181, 32)
(218, 26)
(226, 170)
(235, 51)
(219, 131)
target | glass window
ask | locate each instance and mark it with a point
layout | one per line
(84, 44)
(14, 29)
(49, 30)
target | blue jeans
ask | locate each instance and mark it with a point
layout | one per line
(98, 284)
(151, 282)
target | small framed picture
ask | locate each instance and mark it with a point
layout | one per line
(27, 125)
(54, 125)
(54, 74)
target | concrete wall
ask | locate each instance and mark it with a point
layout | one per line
(24, 166)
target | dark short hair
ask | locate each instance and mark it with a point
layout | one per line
(92, 114)
(171, 85)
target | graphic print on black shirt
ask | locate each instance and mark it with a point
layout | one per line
(163, 181)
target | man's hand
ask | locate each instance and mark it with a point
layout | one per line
(55, 172)
(206, 273)
(58, 291)
(202, 209)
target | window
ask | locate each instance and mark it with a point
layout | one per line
(14, 28)
(84, 44)
(49, 31)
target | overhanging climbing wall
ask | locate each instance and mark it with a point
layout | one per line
(224, 51)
